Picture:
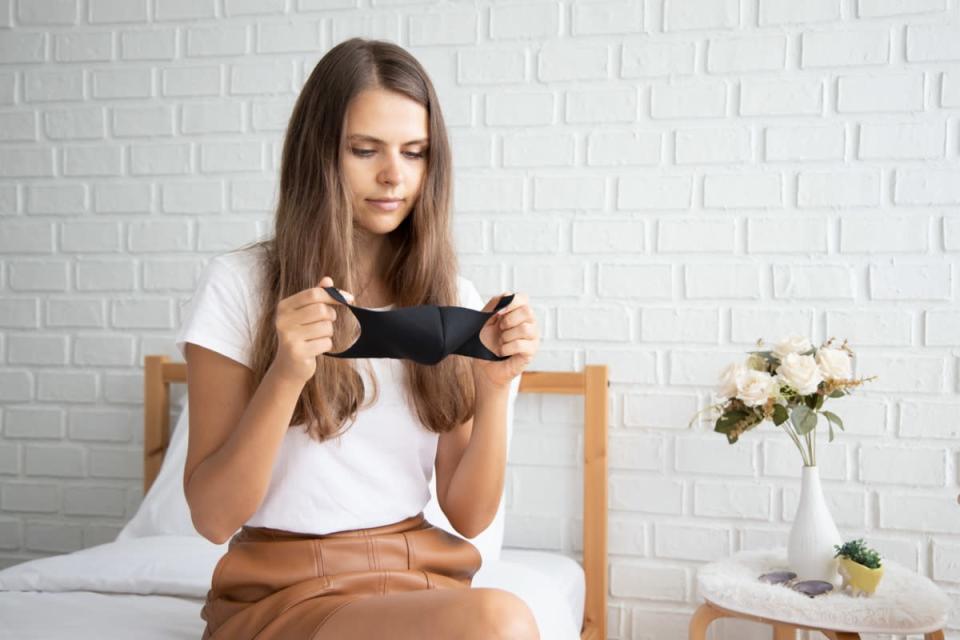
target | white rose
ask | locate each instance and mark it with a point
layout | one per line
(834, 363)
(730, 380)
(800, 372)
(791, 344)
(756, 387)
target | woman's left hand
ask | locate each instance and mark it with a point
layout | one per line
(512, 332)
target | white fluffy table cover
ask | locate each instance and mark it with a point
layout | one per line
(904, 602)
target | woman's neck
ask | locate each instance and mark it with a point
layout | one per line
(372, 290)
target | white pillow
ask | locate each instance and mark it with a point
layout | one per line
(150, 565)
(164, 509)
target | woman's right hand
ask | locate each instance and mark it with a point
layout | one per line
(304, 327)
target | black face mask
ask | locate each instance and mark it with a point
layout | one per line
(426, 333)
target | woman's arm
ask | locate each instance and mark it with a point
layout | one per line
(474, 488)
(228, 485)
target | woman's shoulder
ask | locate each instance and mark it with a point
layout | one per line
(244, 263)
(235, 277)
(247, 254)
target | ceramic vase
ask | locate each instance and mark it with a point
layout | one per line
(810, 549)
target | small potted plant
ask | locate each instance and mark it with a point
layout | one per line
(859, 566)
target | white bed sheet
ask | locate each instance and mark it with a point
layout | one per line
(152, 588)
(87, 615)
(565, 575)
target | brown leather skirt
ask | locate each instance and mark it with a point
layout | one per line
(273, 584)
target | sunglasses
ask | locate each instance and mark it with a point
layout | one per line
(811, 588)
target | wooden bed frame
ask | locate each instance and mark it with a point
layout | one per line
(591, 383)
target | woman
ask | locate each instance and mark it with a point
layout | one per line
(327, 490)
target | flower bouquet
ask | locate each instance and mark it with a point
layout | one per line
(786, 385)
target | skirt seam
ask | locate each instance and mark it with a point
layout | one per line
(329, 615)
(317, 558)
(411, 552)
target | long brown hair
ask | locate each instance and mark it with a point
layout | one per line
(314, 236)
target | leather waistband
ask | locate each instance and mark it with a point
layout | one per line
(247, 533)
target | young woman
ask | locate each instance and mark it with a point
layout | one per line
(327, 483)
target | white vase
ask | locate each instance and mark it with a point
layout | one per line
(810, 551)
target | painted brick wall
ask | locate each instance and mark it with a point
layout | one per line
(668, 180)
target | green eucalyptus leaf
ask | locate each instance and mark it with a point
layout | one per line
(833, 418)
(803, 419)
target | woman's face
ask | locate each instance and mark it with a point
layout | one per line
(385, 157)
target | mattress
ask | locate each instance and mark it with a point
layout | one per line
(153, 587)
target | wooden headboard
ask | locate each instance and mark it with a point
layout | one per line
(591, 383)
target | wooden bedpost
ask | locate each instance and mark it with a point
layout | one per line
(595, 415)
(592, 383)
(158, 375)
(156, 418)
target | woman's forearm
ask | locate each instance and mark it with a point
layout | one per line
(476, 485)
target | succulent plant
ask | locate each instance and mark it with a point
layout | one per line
(860, 553)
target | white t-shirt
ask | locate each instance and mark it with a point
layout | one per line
(376, 473)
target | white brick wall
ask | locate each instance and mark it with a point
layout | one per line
(668, 181)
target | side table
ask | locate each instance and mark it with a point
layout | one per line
(904, 603)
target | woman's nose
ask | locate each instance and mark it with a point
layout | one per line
(391, 172)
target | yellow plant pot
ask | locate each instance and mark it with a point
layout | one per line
(859, 579)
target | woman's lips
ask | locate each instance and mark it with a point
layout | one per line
(386, 205)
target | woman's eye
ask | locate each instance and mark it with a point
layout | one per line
(366, 153)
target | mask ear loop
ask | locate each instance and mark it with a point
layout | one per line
(474, 347)
(336, 295)
(503, 302)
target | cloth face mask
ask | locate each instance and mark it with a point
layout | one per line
(426, 333)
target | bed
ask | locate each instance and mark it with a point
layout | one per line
(150, 582)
